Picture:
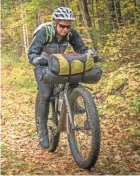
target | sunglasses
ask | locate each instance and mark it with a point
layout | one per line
(64, 26)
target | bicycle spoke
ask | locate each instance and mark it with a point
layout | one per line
(82, 130)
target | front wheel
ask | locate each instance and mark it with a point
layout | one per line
(52, 124)
(84, 139)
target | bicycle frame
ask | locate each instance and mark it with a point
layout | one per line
(65, 108)
(63, 118)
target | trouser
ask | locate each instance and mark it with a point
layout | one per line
(45, 95)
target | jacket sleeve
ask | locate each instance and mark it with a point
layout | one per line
(77, 43)
(37, 45)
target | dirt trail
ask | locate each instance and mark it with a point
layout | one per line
(21, 153)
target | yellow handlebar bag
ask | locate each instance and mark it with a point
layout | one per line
(64, 64)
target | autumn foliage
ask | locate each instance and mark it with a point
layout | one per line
(112, 29)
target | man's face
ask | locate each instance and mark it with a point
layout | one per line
(63, 27)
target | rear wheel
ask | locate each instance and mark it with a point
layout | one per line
(84, 140)
(52, 124)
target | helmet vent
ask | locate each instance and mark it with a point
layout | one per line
(63, 13)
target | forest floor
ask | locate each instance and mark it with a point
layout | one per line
(22, 155)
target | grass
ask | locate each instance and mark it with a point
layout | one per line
(21, 74)
(4, 150)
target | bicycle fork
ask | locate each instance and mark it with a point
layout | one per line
(68, 108)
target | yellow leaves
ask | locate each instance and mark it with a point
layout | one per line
(114, 100)
(133, 40)
(116, 144)
(22, 76)
(47, 18)
(133, 85)
(118, 91)
(21, 154)
(122, 45)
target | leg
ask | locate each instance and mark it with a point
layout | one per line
(45, 95)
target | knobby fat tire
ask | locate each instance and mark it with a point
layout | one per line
(95, 125)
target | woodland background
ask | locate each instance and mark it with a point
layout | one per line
(111, 27)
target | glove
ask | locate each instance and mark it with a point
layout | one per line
(95, 58)
(40, 61)
(91, 52)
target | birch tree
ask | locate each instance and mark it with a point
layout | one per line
(24, 27)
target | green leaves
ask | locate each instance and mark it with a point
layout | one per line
(119, 91)
(122, 45)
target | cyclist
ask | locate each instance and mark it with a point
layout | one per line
(46, 42)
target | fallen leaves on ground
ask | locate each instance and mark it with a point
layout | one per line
(21, 153)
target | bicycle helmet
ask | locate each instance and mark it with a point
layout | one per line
(63, 13)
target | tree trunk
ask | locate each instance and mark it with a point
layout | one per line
(39, 18)
(93, 15)
(98, 14)
(118, 9)
(24, 29)
(80, 16)
(26, 32)
(136, 14)
(112, 13)
(114, 6)
(85, 21)
(86, 12)
(116, 14)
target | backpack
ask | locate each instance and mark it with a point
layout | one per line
(50, 31)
